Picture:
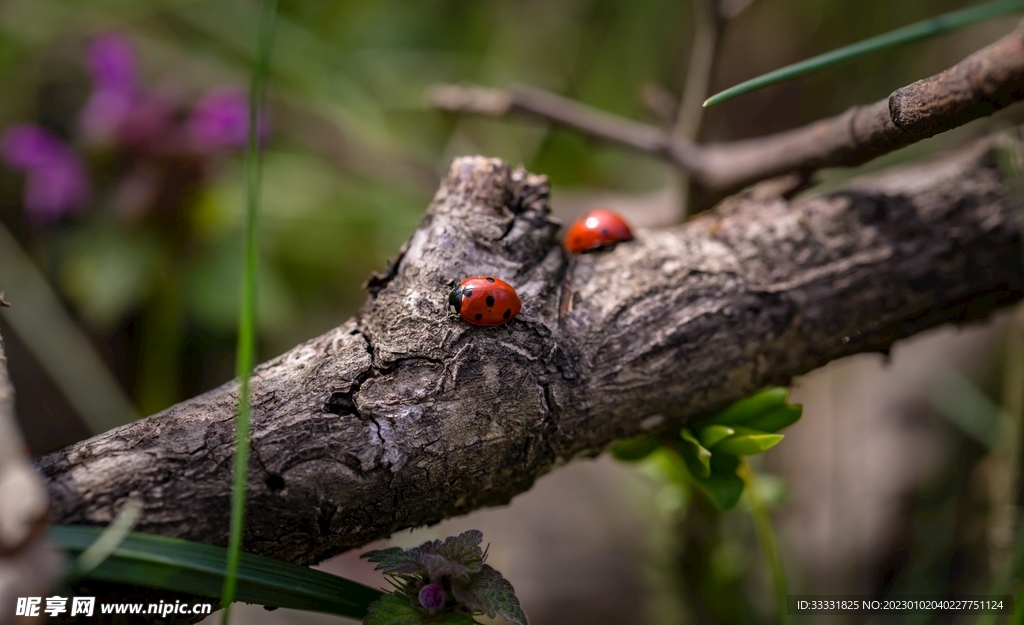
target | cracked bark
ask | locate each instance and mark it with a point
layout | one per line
(407, 416)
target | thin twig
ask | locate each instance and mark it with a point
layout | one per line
(983, 83)
(707, 32)
(708, 26)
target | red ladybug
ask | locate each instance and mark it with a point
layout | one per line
(484, 301)
(597, 229)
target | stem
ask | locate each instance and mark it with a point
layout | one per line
(247, 317)
(766, 537)
(703, 53)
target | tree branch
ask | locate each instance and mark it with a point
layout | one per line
(407, 416)
(981, 84)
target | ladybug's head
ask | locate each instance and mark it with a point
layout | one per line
(455, 300)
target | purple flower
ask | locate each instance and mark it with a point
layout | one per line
(111, 61)
(104, 114)
(432, 598)
(221, 120)
(119, 111)
(56, 182)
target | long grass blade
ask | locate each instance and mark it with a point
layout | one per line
(247, 319)
(195, 568)
(900, 36)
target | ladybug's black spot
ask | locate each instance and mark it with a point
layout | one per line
(604, 232)
(467, 292)
(479, 316)
(508, 313)
(489, 279)
(490, 301)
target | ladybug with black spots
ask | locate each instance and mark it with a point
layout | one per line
(597, 229)
(484, 301)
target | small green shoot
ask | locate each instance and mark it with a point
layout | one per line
(711, 449)
(739, 413)
(709, 436)
(901, 36)
(698, 459)
(635, 449)
(747, 442)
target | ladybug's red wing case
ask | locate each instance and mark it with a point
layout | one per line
(597, 229)
(484, 301)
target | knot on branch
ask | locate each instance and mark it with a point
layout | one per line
(486, 219)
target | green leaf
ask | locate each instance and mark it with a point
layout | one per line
(393, 609)
(698, 459)
(454, 618)
(633, 449)
(723, 486)
(490, 593)
(750, 408)
(900, 36)
(396, 561)
(747, 442)
(464, 549)
(184, 566)
(711, 434)
(777, 419)
(439, 566)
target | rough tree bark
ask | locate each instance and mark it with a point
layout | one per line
(407, 416)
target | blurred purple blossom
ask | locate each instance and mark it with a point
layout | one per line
(56, 181)
(221, 120)
(111, 61)
(119, 110)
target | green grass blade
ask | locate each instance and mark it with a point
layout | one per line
(247, 318)
(195, 568)
(900, 36)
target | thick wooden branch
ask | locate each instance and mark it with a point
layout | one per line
(407, 416)
(983, 83)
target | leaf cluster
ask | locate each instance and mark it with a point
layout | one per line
(711, 448)
(456, 565)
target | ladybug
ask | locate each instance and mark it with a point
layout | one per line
(597, 229)
(484, 301)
